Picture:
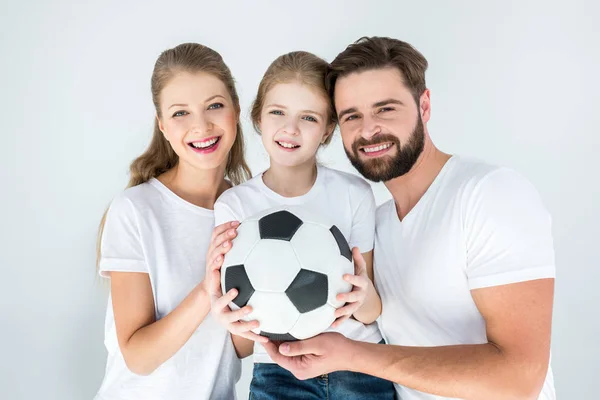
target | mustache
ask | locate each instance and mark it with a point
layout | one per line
(379, 139)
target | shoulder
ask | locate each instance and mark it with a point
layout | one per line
(336, 179)
(239, 192)
(134, 198)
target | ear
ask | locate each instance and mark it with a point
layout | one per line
(161, 127)
(425, 106)
(328, 133)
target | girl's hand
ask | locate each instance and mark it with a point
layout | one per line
(356, 298)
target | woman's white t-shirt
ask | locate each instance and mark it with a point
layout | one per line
(151, 230)
(345, 200)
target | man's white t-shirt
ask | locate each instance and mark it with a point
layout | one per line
(343, 199)
(151, 230)
(477, 226)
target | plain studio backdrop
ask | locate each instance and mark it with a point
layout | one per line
(513, 83)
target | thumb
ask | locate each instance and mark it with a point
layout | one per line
(215, 284)
(359, 262)
(299, 348)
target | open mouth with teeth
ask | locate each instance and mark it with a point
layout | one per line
(205, 145)
(287, 146)
(376, 149)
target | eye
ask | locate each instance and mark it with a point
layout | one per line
(351, 117)
(180, 113)
(215, 106)
(276, 112)
(310, 118)
(385, 109)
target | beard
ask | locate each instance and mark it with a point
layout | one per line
(386, 168)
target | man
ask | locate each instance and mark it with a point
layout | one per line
(464, 260)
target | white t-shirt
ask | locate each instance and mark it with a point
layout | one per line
(476, 226)
(151, 230)
(343, 199)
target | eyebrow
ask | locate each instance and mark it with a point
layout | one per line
(304, 111)
(375, 105)
(207, 100)
(386, 102)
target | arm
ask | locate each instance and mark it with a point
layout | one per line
(144, 342)
(518, 318)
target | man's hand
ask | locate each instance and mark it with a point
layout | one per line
(316, 356)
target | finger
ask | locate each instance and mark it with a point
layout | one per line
(233, 316)
(224, 300)
(352, 297)
(356, 280)
(347, 310)
(301, 347)
(273, 352)
(340, 321)
(222, 228)
(215, 285)
(222, 240)
(241, 327)
(254, 337)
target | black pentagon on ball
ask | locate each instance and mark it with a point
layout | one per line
(308, 291)
(281, 225)
(279, 337)
(341, 242)
(237, 278)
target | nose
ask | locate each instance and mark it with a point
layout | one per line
(201, 123)
(370, 127)
(291, 127)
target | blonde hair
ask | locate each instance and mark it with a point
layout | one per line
(297, 66)
(160, 157)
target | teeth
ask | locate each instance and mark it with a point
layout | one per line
(377, 148)
(286, 145)
(203, 145)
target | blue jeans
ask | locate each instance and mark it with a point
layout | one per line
(272, 382)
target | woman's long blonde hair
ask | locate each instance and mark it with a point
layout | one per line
(159, 157)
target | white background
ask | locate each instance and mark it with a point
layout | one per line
(514, 83)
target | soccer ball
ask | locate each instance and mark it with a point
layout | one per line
(288, 265)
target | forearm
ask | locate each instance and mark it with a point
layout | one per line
(243, 347)
(371, 308)
(467, 371)
(155, 343)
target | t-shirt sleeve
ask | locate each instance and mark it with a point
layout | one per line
(121, 246)
(363, 223)
(508, 232)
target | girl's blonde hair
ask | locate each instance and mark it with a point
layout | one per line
(297, 66)
(159, 157)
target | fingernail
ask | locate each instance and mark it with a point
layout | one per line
(226, 244)
(284, 348)
(247, 311)
(231, 233)
(219, 258)
(235, 223)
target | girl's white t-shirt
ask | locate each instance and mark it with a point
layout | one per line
(151, 230)
(343, 199)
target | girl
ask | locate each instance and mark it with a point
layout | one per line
(294, 115)
(161, 342)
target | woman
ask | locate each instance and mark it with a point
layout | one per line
(161, 342)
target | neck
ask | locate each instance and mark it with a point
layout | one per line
(291, 181)
(408, 189)
(196, 186)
